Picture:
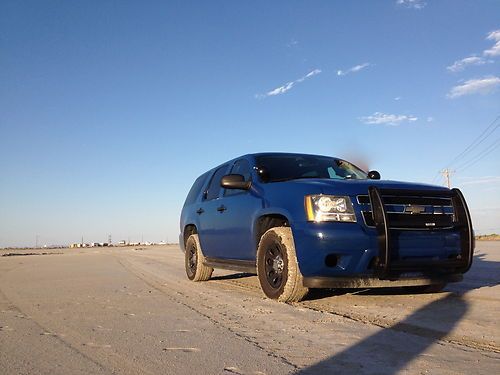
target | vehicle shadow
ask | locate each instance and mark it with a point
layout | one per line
(387, 351)
(233, 276)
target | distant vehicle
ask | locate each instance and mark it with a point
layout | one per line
(306, 221)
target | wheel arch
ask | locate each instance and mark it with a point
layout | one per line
(189, 229)
(267, 221)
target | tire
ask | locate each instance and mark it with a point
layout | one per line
(423, 289)
(193, 260)
(277, 267)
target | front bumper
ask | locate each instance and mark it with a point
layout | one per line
(384, 252)
(375, 282)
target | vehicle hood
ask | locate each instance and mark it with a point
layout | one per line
(354, 187)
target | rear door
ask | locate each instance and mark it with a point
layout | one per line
(210, 227)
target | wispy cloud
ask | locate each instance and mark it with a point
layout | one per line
(309, 75)
(281, 89)
(292, 43)
(288, 86)
(484, 85)
(413, 4)
(495, 50)
(460, 65)
(380, 118)
(354, 69)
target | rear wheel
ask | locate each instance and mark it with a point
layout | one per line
(195, 269)
(277, 267)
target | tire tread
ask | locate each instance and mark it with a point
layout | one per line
(294, 290)
(203, 272)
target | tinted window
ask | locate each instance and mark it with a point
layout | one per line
(290, 167)
(240, 167)
(196, 189)
(214, 187)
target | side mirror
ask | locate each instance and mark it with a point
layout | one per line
(235, 181)
(374, 175)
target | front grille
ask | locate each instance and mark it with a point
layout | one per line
(411, 212)
(397, 209)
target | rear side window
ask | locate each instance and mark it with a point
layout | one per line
(196, 189)
(214, 187)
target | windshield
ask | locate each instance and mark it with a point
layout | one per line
(276, 168)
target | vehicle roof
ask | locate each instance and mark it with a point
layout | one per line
(283, 154)
(253, 155)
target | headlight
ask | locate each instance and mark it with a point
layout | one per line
(329, 208)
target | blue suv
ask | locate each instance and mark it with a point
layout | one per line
(306, 221)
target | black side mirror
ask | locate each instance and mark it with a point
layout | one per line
(374, 175)
(235, 181)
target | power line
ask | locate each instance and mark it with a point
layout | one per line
(480, 139)
(485, 134)
(481, 155)
(435, 177)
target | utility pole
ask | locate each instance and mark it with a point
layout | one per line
(447, 174)
(36, 241)
(109, 240)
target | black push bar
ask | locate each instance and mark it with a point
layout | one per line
(386, 267)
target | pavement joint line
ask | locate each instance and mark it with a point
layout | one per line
(58, 337)
(117, 359)
(158, 285)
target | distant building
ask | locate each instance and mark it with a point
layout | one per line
(73, 245)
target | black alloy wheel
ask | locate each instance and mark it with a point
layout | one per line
(192, 259)
(274, 265)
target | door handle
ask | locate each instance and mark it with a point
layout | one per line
(199, 211)
(221, 208)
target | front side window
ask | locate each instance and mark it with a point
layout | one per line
(291, 167)
(214, 186)
(241, 167)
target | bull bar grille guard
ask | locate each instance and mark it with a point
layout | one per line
(386, 267)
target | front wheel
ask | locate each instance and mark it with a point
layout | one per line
(195, 269)
(277, 267)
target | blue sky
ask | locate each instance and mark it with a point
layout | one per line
(110, 109)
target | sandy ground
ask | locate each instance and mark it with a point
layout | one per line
(133, 311)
